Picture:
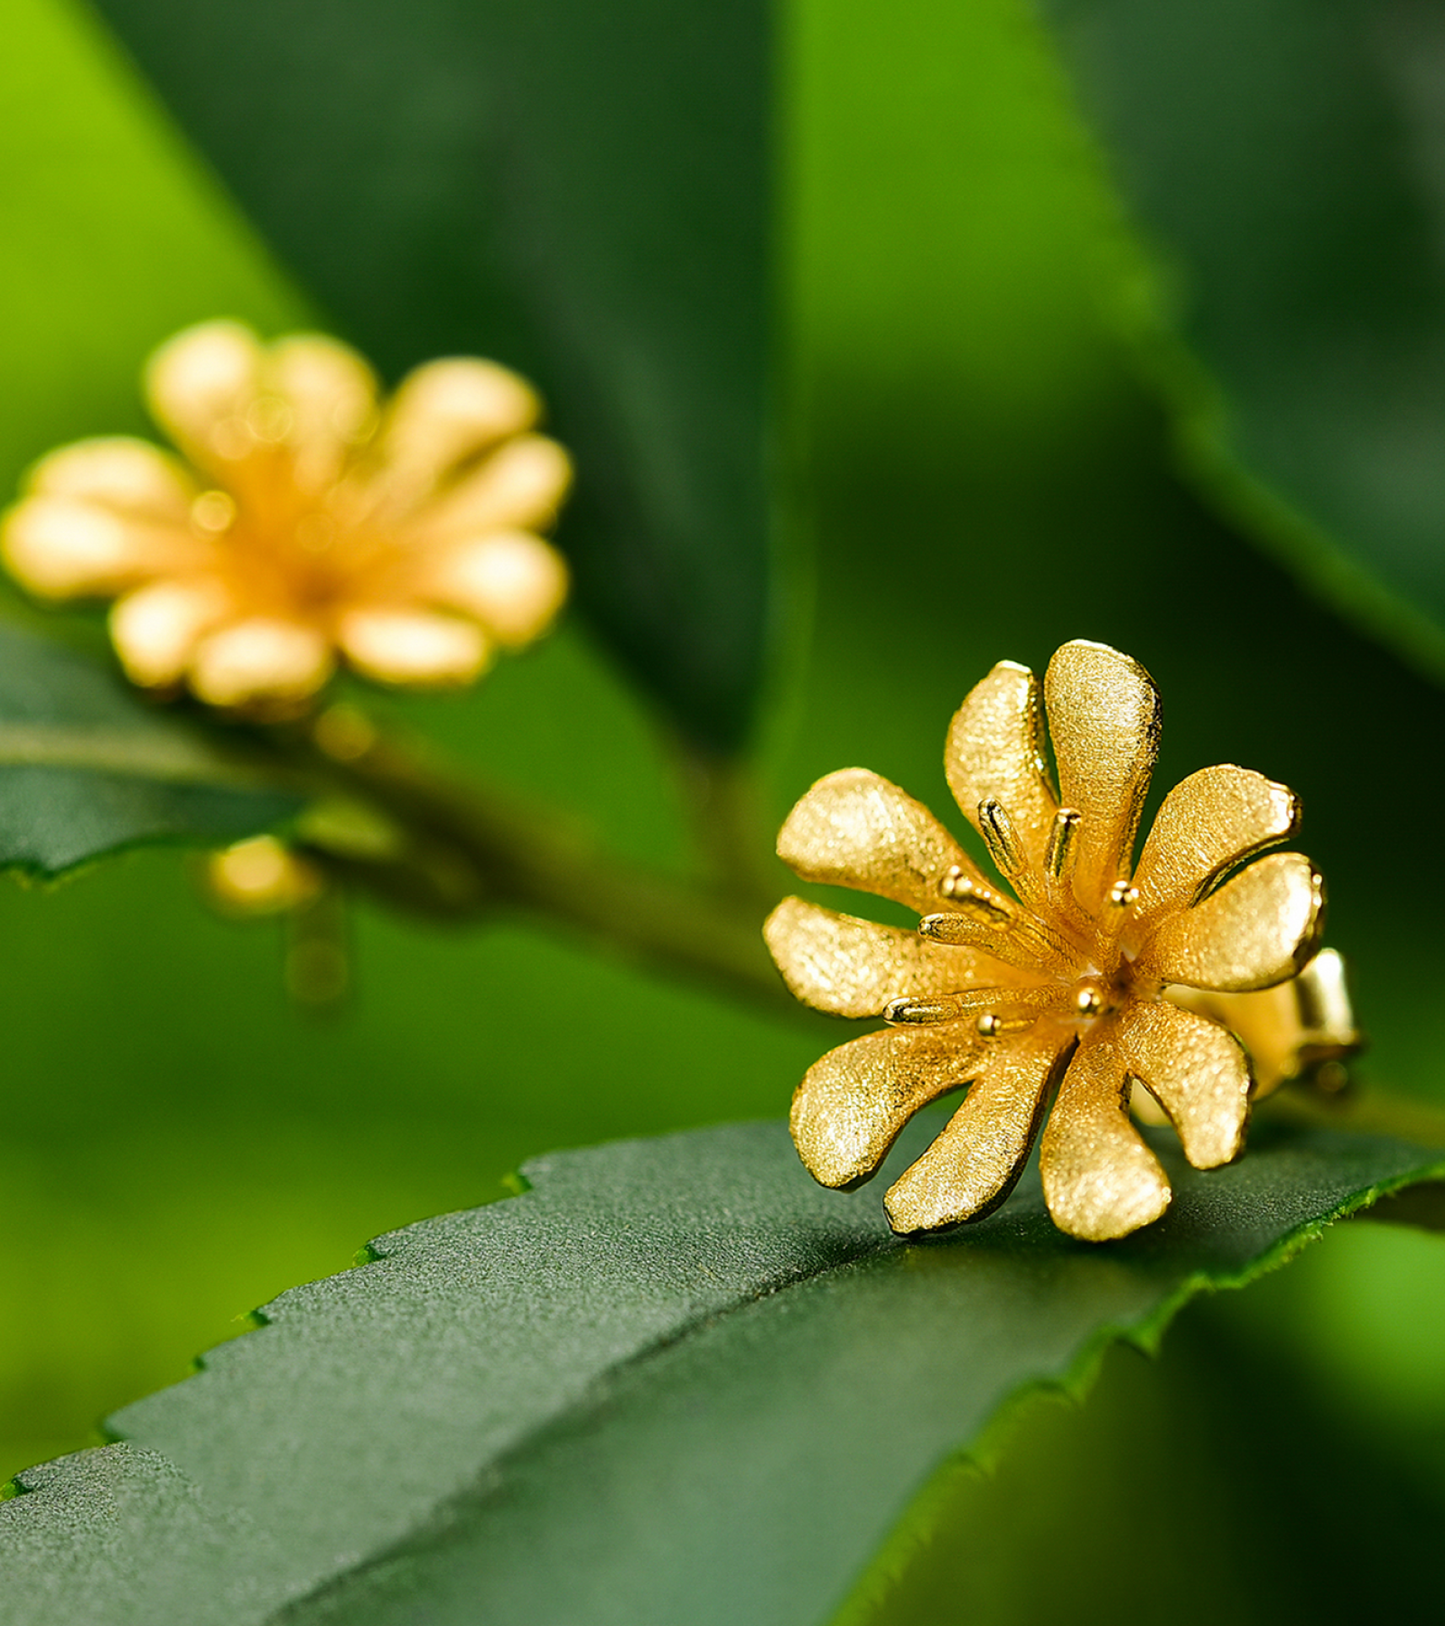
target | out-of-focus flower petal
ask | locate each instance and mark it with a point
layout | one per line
(201, 385)
(1261, 926)
(263, 664)
(850, 967)
(1196, 1070)
(330, 395)
(855, 828)
(518, 486)
(1100, 1180)
(1103, 713)
(511, 581)
(156, 628)
(413, 647)
(995, 752)
(130, 477)
(852, 1102)
(447, 412)
(1208, 823)
(61, 549)
(974, 1163)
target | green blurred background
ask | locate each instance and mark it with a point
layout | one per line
(979, 474)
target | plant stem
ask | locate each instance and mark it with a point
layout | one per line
(472, 849)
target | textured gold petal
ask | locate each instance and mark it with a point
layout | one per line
(128, 476)
(1197, 1071)
(1100, 1180)
(262, 664)
(973, 1164)
(330, 396)
(1289, 1029)
(447, 412)
(200, 386)
(413, 647)
(1104, 726)
(850, 967)
(519, 486)
(995, 752)
(155, 629)
(60, 548)
(1209, 822)
(855, 828)
(1260, 927)
(511, 581)
(852, 1102)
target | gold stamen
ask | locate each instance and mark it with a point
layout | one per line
(922, 1012)
(1122, 895)
(1089, 1000)
(993, 1026)
(976, 902)
(1000, 837)
(1058, 859)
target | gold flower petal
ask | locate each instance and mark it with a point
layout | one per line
(1209, 822)
(413, 647)
(852, 1102)
(1196, 1070)
(1261, 926)
(447, 412)
(61, 549)
(330, 394)
(995, 752)
(1104, 726)
(130, 477)
(850, 967)
(974, 1163)
(855, 828)
(511, 581)
(1100, 1180)
(156, 628)
(519, 486)
(1287, 1029)
(262, 663)
(200, 386)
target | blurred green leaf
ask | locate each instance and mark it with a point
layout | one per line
(85, 768)
(1285, 164)
(579, 190)
(588, 1402)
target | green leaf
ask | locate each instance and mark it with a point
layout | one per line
(1283, 162)
(85, 768)
(675, 1380)
(579, 190)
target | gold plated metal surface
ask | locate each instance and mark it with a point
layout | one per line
(307, 522)
(1165, 978)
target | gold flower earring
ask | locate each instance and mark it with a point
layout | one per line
(309, 522)
(1079, 979)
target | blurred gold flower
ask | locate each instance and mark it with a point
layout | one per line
(1079, 979)
(309, 521)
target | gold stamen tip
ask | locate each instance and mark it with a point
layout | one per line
(990, 1025)
(1061, 848)
(955, 882)
(948, 928)
(1122, 895)
(1089, 1001)
(919, 1012)
(1000, 837)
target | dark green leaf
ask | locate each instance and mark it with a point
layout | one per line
(675, 1381)
(579, 190)
(86, 768)
(1285, 161)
